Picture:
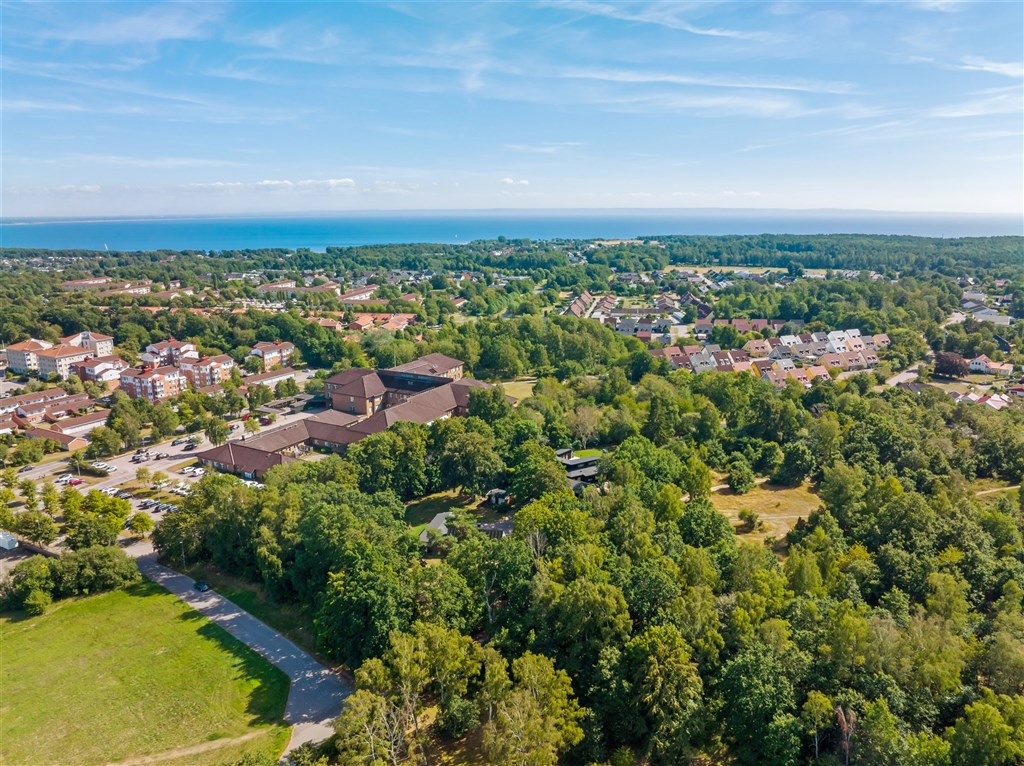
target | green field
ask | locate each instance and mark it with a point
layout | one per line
(133, 676)
(519, 389)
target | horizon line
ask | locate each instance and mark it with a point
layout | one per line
(154, 217)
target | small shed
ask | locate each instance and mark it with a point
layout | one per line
(497, 497)
(8, 542)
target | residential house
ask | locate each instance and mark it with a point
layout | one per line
(67, 442)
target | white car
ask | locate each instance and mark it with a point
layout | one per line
(199, 472)
(63, 478)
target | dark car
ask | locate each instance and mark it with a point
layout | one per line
(25, 468)
(265, 421)
(201, 586)
(182, 440)
(161, 455)
(189, 447)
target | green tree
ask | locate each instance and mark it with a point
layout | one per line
(29, 493)
(817, 714)
(36, 527)
(140, 523)
(741, 476)
(668, 691)
(216, 431)
(537, 719)
(982, 737)
(165, 420)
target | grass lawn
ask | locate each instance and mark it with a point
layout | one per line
(418, 513)
(519, 389)
(779, 508)
(289, 619)
(587, 452)
(130, 674)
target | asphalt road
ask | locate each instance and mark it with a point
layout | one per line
(316, 694)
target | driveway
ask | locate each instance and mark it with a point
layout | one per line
(316, 694)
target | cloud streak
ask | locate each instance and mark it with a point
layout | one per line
(978, 64)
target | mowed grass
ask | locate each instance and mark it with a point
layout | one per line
(519, 389)
(128, 674)
(418, 513)
(778, 508)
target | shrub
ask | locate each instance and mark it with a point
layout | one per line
(741, 476)
(750, 519)
(37, 601)
(457, 717)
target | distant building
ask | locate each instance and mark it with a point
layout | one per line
(278, 353)
(203, 371)
(100, 345)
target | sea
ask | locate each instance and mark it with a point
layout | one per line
(319, 231)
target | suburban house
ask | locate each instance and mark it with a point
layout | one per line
(67, 442)
(13, 403)
(985, 366)
(242, 460)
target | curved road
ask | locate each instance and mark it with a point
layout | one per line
(316, 693)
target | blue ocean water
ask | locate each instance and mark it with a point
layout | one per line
(364, 228)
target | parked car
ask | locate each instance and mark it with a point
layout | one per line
(75, 482)
(25, 468)
(265, 421)
(246, 416)
(182, 440)
(63, 479)
(201, 586)
(147, 503)
(161, 455)
(190, 446)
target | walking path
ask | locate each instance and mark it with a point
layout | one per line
(316, 694)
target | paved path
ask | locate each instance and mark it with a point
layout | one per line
(316, 694)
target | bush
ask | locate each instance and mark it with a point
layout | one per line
(93, 570)
(37, 601)
(457, 717)
(750, 519)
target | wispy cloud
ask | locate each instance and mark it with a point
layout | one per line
(151, 162)
(712, 81)
(978, 64)
(515, 181)
(993, 101)
(942, 6)
(661, 14)
(279, 184)
(170, 21)
(545, 148)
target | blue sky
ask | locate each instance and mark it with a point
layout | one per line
(178, 108)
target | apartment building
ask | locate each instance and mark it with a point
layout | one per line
(278, 353)
(58, 360)
(166, 353)
(203, 371)
(154, 384)
(97, 343)
(100, 369)
(23, 357)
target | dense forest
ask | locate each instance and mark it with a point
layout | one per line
(629, 622)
